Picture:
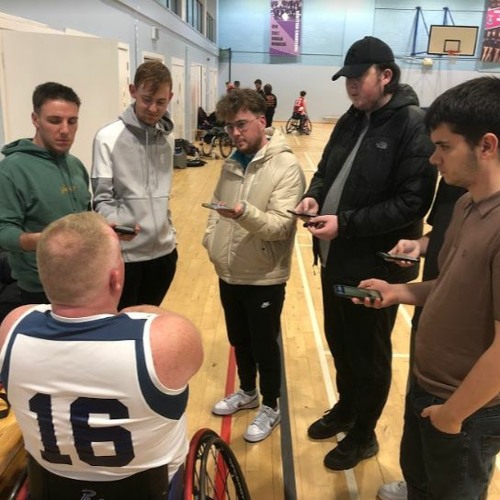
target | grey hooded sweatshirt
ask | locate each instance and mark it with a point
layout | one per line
(131, 181)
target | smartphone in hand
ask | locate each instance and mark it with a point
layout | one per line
(215, 206)
(302, 214)
(392, 257)
(124, 230)
(350, 292)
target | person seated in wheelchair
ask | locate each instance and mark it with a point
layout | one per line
(300, 108)
(99, 394)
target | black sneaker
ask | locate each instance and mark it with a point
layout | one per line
(329, 425)
(350, 452)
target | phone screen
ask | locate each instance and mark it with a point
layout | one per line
(212, 206)
(389, 257)
(124, 230)
(215, 206)
(352, 291)
(301, 214)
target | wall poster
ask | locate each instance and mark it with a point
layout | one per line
(285, 27)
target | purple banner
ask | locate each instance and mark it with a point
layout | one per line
(491, 39)
(285, 27)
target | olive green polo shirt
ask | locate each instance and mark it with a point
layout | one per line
(458, 320)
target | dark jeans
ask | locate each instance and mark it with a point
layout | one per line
(10, 298)
(359, 339)
(33, 297)
(269, 116)
(253, 325)
(151, 484)
(147, 282)
(439, 466)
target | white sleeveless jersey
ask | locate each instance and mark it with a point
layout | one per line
(86, 396)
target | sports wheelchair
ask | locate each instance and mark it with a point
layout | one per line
(212, 472)
(303, 126)
(213, 138)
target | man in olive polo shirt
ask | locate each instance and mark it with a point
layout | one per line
(452, 415)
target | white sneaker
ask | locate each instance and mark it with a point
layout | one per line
(393, 491)
(234, 402)
(263, 424)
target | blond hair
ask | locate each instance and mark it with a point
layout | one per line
(74, 257)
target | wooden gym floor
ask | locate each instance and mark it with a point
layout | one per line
(287, 465)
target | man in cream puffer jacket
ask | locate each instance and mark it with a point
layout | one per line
(249, 239)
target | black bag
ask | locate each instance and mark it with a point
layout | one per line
(195, 162)
(184, 145)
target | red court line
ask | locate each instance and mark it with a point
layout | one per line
(225, 431)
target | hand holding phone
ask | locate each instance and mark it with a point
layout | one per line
(302, 214)
(215, 206)
(350, 292)
(401, 257)
(124, 230)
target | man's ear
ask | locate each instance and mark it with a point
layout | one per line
(115, 281)
(387, 76)
(34, 119)
(132, 90)
(489, 144)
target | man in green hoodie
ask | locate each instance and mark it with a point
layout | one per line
(40, 182)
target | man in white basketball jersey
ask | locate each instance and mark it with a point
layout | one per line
(100, 396)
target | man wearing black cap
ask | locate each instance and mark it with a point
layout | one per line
(373, 186)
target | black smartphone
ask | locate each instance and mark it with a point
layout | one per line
(124, 230)
(317, 225)
(302, 214)
(350, 292)
(215, 206)
(392, 257)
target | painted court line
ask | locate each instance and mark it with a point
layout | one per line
(352, 486)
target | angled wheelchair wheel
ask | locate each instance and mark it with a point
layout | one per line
(20, 489)
(225, 145)
(307, 127)
(212, 470)
(193, 462)
(206, 147)
(290, 125)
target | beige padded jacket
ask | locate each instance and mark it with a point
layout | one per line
(256, 248)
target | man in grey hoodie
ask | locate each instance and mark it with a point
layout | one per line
(131, 179)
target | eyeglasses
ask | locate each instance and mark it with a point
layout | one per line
(240, 125)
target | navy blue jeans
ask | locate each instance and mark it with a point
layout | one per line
(440, 466)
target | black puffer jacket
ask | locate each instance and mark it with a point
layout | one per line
(388, 192)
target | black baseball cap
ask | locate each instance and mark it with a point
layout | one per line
(363, 54)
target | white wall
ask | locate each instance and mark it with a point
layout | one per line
(88, 65)
(326, 98)
(129, 22)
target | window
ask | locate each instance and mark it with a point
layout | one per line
(210, 27)
(174, 6)
(195, 14)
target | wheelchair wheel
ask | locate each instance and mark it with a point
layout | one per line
(206, 147)
(307, 127)
(212, 470)
(20, 489)
(225, 145)
(290, 125)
